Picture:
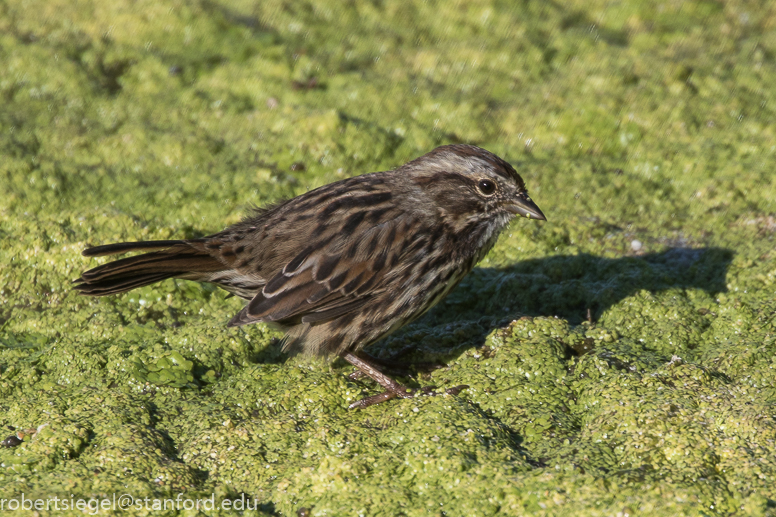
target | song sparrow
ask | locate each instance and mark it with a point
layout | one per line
(348, 263)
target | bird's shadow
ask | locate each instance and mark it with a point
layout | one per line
(571, 287)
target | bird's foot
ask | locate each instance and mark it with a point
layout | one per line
(427, 391)
(392, 388)
(403, 368)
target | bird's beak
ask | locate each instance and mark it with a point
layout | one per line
(521, 204)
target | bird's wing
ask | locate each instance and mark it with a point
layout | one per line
(326, 281)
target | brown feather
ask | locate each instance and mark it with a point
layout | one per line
(128, 273)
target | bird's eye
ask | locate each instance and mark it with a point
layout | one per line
(487, 187)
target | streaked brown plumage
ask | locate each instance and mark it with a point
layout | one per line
(348, 263)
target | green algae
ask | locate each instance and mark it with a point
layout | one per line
(620, 357)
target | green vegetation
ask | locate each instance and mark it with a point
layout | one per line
(644, 131)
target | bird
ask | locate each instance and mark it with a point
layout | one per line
(346, 264)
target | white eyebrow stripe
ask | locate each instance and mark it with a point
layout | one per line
(479, 162)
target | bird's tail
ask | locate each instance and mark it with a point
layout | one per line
(173, 259)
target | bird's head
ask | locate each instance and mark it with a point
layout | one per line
(469, 183)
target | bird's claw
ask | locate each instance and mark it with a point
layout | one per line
(455, 390)
(427, 391)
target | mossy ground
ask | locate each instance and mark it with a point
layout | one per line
(644, 130)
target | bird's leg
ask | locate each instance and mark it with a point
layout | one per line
(396, 366)
(393, 362)
(366, 366)
(392, 388)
